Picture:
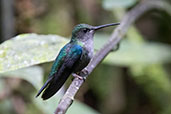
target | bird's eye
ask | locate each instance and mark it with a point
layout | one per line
(85, 30)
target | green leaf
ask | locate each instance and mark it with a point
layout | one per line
(48, 106)
(146, 53)
(110, 4)
(132, 53)
(29, 49)
(33, 75)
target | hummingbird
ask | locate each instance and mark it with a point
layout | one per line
(72, 58)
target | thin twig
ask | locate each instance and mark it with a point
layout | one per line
(115, 38)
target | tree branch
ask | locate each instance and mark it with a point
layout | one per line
(115, 38)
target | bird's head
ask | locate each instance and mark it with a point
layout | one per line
(83, 32)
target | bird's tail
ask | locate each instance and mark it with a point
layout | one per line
(44, 86)
(54, 86)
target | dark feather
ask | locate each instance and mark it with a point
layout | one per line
(64, 70)
(44, 86)
(55, 85)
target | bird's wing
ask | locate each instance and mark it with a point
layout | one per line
(57, 63)
(61, 69)
(66, 58)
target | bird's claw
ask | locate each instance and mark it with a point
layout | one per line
(84, 72)
(78, 76)
(81, 75)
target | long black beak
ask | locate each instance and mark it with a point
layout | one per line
(106, 25)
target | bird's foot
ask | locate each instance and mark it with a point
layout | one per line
(81, 75)
(84, 72)
(75, 75)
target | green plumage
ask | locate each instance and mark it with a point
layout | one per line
(72, 58)
(62, 68)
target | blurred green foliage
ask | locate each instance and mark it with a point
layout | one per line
(136, 79)
(21, 51)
